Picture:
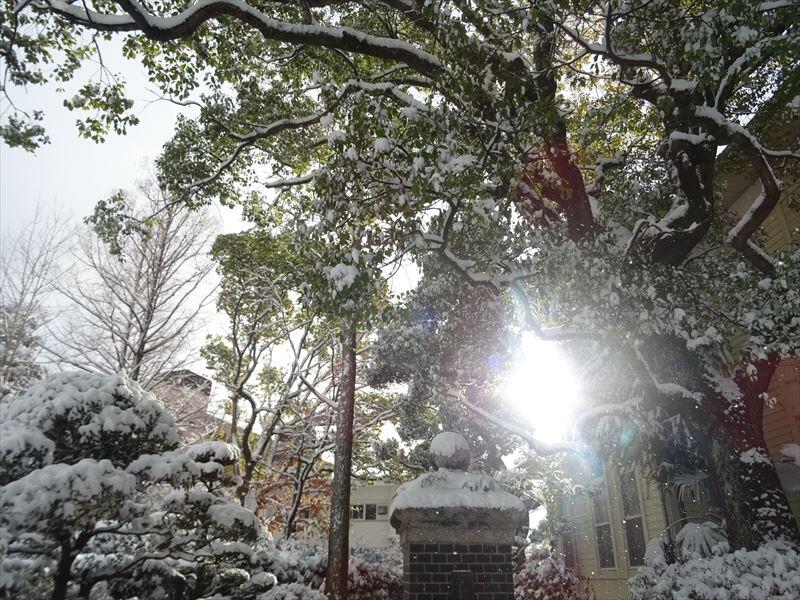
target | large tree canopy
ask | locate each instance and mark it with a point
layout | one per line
(565, 151)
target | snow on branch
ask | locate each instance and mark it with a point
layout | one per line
(536, 445)
(290, 181)
(767, 199)
(137, 17)
(246, 140)
(606, 50)
(666, 388)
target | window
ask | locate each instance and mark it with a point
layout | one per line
(632, 520)
(602, 521)
(364, 511)
(383, 509)
(569, 548)
(568, 553)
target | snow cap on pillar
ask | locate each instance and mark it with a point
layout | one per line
(440, 500)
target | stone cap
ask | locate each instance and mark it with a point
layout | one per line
(449, 494)
(450, 451)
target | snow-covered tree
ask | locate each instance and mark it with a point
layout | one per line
(578, 140)
(95, 500)
(281, 362)
(447, 334)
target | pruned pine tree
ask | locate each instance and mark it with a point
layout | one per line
(136, 306)
(581, 140)
(96, 501)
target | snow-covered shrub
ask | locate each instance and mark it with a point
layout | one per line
(96, 501)
(390, 557)
(302, 560)
(373, 581)
(697, 540)
(94, 416)
(544, 577)
(293, 591)
(763, 574)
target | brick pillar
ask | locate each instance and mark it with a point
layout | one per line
(456, 530)
(427, 570)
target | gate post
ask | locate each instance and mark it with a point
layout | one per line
(456, 529)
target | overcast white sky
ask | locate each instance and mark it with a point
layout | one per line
(71, 173)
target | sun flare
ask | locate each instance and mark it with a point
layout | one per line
(543, 389)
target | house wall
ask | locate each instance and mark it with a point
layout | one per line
(375, 533)
(611, 583)
(782, 416)
(781, 227)
(782, 413)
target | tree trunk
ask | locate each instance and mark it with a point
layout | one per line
(63, 571)
(754, 504)
(339, 537)
(752, 499)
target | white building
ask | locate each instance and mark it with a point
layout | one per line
(369, 516)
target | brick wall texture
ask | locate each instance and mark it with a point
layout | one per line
(427, 571)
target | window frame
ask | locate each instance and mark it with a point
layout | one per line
(601, 481)
(630, 517)
(569, 549)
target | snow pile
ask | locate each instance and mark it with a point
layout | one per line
(22, 449)
(789, 468)
(448, 488)
(79, 493)
(293, 591)
(220, 452)
(448, 443)
(754, 456)
(169, 467)
(229, 514)
(341, 276)
(764, 574)
(791, 452)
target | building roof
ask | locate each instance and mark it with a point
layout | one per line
(187, 378)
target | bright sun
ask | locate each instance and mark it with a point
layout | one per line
(543, 389)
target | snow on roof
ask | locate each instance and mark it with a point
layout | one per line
(448, 488)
